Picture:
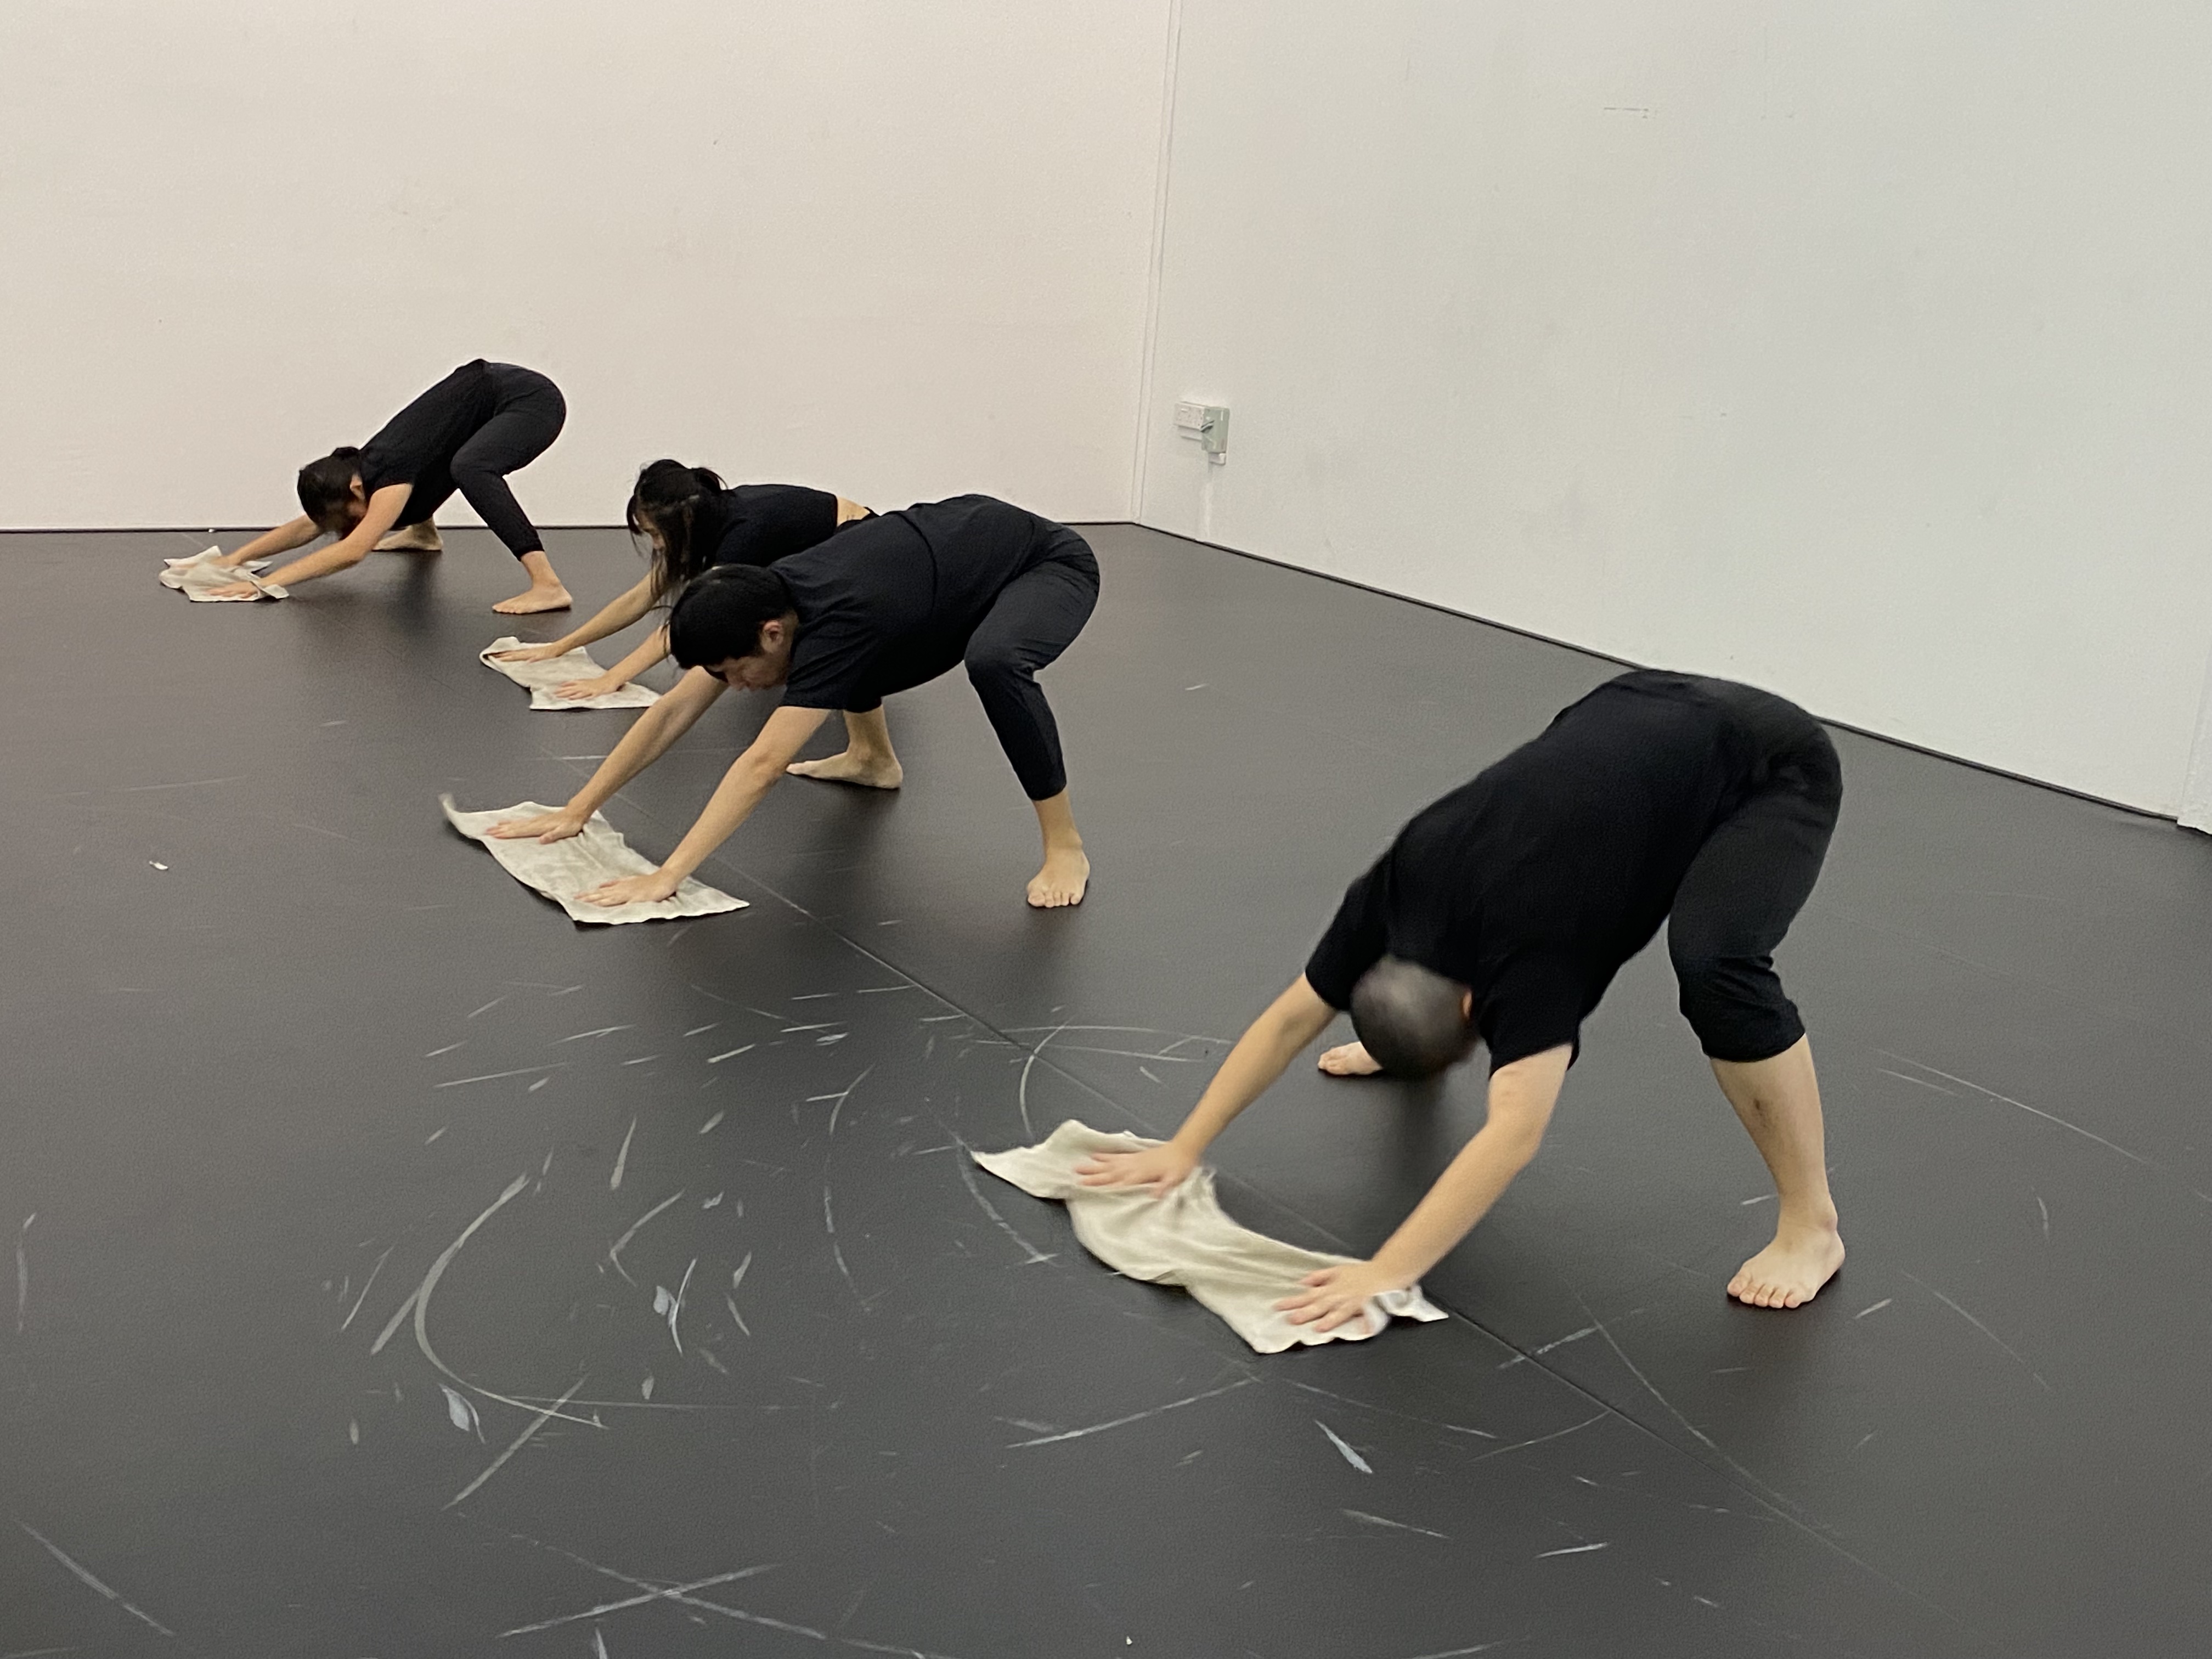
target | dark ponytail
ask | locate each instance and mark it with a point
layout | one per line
(667, 498)
(326, 485)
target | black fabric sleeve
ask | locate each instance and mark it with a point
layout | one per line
(1534, 1005)
(829, 664)
(1356, 940)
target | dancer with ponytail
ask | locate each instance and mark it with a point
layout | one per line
(467, 433)
(693, 522)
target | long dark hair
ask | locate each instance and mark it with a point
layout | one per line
(326, 485)
(666, 499)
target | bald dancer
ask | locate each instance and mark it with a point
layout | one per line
(1500, 914)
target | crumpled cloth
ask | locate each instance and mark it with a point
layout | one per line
(1187, 1239)
(195, 576)
(575, 865)
(543, 677)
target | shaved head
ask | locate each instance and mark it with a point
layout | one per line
(1413, 1022)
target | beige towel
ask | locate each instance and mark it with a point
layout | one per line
(566, 868)
(196, 576)
(544, 677)
(1186, 1239)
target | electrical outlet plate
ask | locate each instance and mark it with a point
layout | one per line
(1207, 422)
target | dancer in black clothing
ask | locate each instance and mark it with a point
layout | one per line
(693, 523)
(467, 433)
(1500, 914)
(883, 606)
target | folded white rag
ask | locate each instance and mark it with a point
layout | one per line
(544, 677)
(197, 577)
(1187, 1239)
(566, 868)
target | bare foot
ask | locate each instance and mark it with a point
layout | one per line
(415, 539)
(1789, 1272)
(534, 598)
(1349, 1061)
(870, 771)
(1062, 881)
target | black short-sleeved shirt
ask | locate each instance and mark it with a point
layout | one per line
(908, 587)
(1533, 884)
(759, 524)
(417, 445)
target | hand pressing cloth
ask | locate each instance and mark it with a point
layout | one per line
(199, 575)
(544, 679)
(1187, 1239)
(567, 868)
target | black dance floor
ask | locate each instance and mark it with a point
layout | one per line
(334, 1159)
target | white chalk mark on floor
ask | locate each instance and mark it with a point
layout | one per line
(696, 1029)
(1556, 1434)
(1350, 1455)
(2032, 1111)
(23, 1271)
(1920, 1081)
(373, 1273)
(54, 1550)
(966, 1163)
(1022, 1094)
(1572, 1549)
(2044, 1210)
(447, 1049)
(603, 1030)
(487, 1008)
(729, 1054)
(839, 1098)
(1876, 1309)
(1365, 1519)
(653, 1593)
(1134, 1417)
(622, 1159)
(1983, 1328)
(493, 1076)
(516, 1445)
(461, 1414)
(615, 1250)
(708, 1125)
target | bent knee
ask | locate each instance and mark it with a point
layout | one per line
(995, 665)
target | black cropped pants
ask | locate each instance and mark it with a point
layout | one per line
(1749, 880)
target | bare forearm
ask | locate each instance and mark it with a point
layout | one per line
(648, 739)
(1268, 1045)
(654, 648)
(742, 788)
(323, 562)
(616, 615)
(1461, 1196)
(283, 538)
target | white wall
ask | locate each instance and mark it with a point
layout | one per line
(896, 250)
(1863, 351)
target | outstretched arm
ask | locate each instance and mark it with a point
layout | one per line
(650, 651)
(648, 739)
(1521, 1095)
(297, 532)
(616, 615)
(750, 777)
(385, 507)
(1268, 1045)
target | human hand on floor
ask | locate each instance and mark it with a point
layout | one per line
(1334, 1294)
(234, 590)
(1349, 1060)
(598, 686)
(547, 827)
(648, 889)
(1163, 1169)
(527, 653)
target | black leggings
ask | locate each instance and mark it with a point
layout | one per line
(1035, 618)
(1750, 879)
(523, 424)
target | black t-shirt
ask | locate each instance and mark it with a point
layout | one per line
(759, 524)
(417, 445)
(908, 588)
(1533, 884)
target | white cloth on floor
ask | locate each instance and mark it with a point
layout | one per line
(566, 868)
(543, 678)
(1187, 1239)
(197, 577)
